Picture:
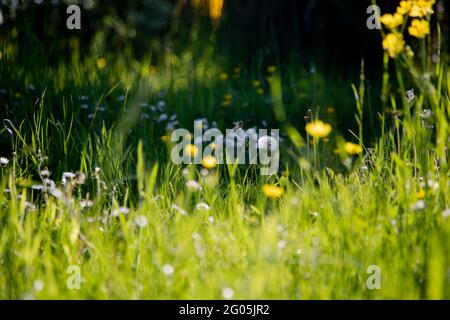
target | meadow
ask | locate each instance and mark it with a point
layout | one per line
(92, 207)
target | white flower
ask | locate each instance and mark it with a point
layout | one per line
(193, 185)
(45, 173)
(66, 176)
(38, 285)
(121, 210)
(180, 210)
(267, 143)
(141, 221)
(162, 117)
(227, 293)
(446, 213)
(419, 205)
(86, 203)
(167, 269)
(281, 244)
(3, 161)
(202, 206)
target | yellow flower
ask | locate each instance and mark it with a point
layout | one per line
(318, 129)
(228, 97)
(236, 70)
(209, 162)
(215, 9)
(271, 69)
(392, 21)
(419, 28)
(191, 150)
(420, 194)
(271, 191)
(256, 83)
(260, 91)
(223, 76)
(225, 103)
(421, 8)
(269, 79)
(394, 44)
(352, 148)
(165, 138)
(404, 7)
(101, 63)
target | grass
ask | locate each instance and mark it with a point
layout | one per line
(132, 227)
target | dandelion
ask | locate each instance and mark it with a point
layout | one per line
(228, 293)
(394, 44)
(209, 162)
(202, 206)
(141, 221)
(419, 28)
(392, 21)
(101, 63)
(191, 150)
(167, 269)
(352, 148)
(193, 185)
(272, 191)
(318, 129)
(3, 161)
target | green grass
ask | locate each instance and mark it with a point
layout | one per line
(387, 207)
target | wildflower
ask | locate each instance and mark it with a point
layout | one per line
(80, 177)
(228, 97)
(394, 44)
(392, 21)
(209, 162)
(3, 161)
(179, 210)
(215, 9)
(420, 194)
(404, 7)
(410, 95)
(141, 221)
(202, 206)
(260, 91)
(86, 203)
(446, 213)
(121, 210)
(223, 76)
(167, 269)
(38, 285)
(236, 70)
(45, 173)
(318, 129)
(352, 148)
(193, 185)
(227, 293)
(272, 191)
(165, 138)
(191, 150)
(419, 28)
(271, 69)
(162, 117)
(282, 244)
(267, 143)
(101, 63)
(421, 8)
(419, 205)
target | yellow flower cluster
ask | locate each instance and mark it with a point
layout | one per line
(420, 11)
